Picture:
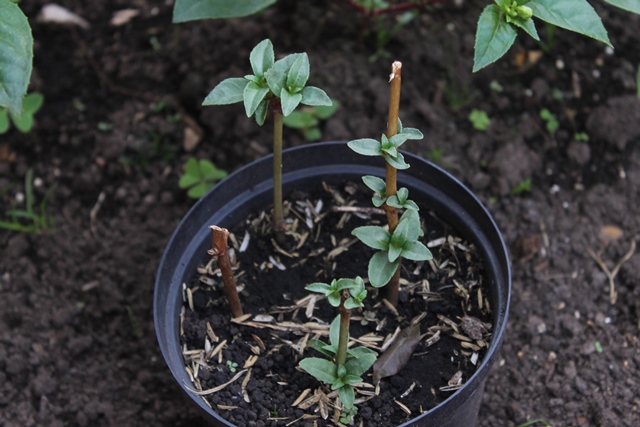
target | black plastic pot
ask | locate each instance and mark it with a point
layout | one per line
(250, 189)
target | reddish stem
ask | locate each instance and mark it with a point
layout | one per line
(219, 249)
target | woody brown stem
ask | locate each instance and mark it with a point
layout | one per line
(395, 81)
(219, 249)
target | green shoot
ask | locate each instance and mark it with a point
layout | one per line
(233, 366)
(276, 86)
(523, 186)
(24, 121)
(31, 219)
(307, 120)
(401, 239)
(479, 119)
(199, 177)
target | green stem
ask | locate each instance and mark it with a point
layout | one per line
(343, 341)
(278, 216)
(395, 81)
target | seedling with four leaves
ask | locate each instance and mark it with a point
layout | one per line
(276, 86)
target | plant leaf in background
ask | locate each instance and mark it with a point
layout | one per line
(16, 56)
(573, 15)
(190, 10)
(628, 5)
(199, 176)
(494, 37)
(30, 106)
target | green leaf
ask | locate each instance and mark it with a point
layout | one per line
(209, 171)
(321, 369)
(315, 97)
(360, 351)
(411, 133)
(628, 5)
(528, 26)
(358, 366)
(366, 147)
(262, 58)
(573, 15)
(375, 183)
(351, 304)
(398, 139)
(347, 396)
(416, 251)
(380, 269)
(4, 121)
(300, 120)
(228, 91)
(343, 284)
(494, 37)
(334, 332)
(189, 10)
(289, 101)
(312, 134)
(32, 102)
(199, 190)
(397, 161)
(298, 74)
(413, 219)
(323, 112)
(321, 288)
(261, 112)
(191, 174)
(373, 236)
(276, 79)
(16, 56)
(253, 96)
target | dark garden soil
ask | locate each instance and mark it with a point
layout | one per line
(77, 343)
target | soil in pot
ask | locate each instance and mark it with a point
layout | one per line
(258, 356)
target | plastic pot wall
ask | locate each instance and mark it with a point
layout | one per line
(250, 189)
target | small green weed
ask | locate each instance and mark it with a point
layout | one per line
(307, 119)
(523, 186)
(551, 122)
(24, 123)
(581, 136)
(199, 176)
(233, 366)
(479, 119)
(30, 219)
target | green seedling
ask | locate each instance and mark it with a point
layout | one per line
(279, 86)
(581, 136)
(401, 238)
(307, 120)
(551, 122)
(479, 119)
(523, 186)
(199, 177)
(342, 367)
(233, 366)
(31, 219)
(24, 121)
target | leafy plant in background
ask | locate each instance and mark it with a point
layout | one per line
(23, 122)
(307, 120)
(279, 86)
(479, 119)
(31, 219)
(199, 176)
(497, 26)
(16, 56)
